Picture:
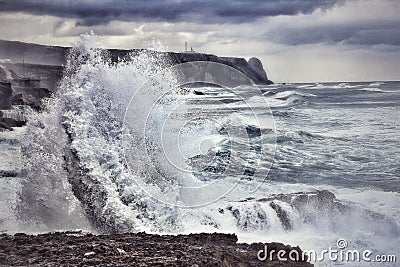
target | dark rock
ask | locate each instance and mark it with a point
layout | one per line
(198, 92)
(319, 199)
(25, 82)
(5, 95)
(249, 217)
(45, 76)
(8, 123)
(4, 126)
(39, 93)
(4, 173)
(18, 99)
(253, 131)
(13, 123)
(62, 249)
(237, 63)
(257, 66)
(3, 75)
(282, 215)
(310, 205)
(31, 97)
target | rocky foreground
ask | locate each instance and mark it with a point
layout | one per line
(77, 249)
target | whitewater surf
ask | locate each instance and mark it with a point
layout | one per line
(127, 146)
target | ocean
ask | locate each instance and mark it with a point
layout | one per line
(115, 151)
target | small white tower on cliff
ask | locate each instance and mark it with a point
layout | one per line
(188, 51)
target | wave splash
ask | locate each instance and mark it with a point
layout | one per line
(73, 150)
(77, 176)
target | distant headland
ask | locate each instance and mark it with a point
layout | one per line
(19, 52)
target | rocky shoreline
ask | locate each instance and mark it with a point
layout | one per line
(139, 249)
(30, 73)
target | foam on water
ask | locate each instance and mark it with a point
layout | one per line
(77, 175)
(376, 84)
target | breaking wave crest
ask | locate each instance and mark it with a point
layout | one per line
(78, 176)
(74, 149)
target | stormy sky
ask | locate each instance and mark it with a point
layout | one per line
(297, 40)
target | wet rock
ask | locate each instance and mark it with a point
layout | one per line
(282, 215)
(3, 75)
(310, 205)
(31, 97)
(140, 249)
(12, 118)
(5, 127)
(8, 123)
(319, 199)
(249, 217)
(198, 92)
(5, 95)
(253, 131)
(18, 99)
(4, 173)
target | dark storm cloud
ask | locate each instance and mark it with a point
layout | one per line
(372, 32)
(94, 12)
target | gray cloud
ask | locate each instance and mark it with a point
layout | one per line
(95, 12)
(371, 32)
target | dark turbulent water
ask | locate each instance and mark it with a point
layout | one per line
(345, 134)
(339, 134)
(110, 155)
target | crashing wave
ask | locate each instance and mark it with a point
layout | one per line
(77, 171)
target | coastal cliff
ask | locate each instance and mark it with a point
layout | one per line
(18, 52)
(31, 72)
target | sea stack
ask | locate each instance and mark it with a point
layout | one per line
(257, 66)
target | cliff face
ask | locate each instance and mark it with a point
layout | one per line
(238, 63)
(30, 72)
(17, 52)
(256, 65)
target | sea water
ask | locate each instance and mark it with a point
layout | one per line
(77, 166)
